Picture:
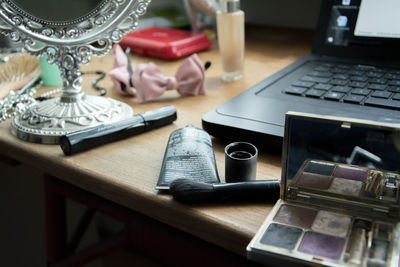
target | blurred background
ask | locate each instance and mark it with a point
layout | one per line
(282, 13)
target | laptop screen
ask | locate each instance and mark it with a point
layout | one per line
(378, 19)
(359, 28)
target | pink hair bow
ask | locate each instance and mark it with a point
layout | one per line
(147, 82)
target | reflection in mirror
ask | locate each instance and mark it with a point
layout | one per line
(58, 10)
(344, 159)
(360, 145)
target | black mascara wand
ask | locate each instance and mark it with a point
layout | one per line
(189, 191)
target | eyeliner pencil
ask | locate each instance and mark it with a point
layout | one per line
(92, 137)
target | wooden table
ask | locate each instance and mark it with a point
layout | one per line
(126, 172)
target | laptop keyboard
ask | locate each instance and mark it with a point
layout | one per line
(356, 84)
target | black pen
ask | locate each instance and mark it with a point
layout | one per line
(82, 140)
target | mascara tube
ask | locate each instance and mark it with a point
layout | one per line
(92, 137)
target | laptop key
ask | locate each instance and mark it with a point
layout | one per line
(374, 74)
(353, 98)
(339, 71)
(359, 91)
(338, 82)
(323, 74)
(314, 93)
(356, 72)
(341, 76)
(380, 102)
(322, 68)
(358, 84)
(344, 66)
(359, 78)
(381, 94)
(378, 80)
(396, 72)
(333, 96)
(342, 89)
(392, 76)
(361, 67)
(394, 82)
(327, 65)
(383, 71)
(323, 86)
(396, 96)
(395, 89)
(375, 86)
(303, 84)
(314, 79)
(295, 90)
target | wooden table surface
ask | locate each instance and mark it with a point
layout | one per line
(126, 171)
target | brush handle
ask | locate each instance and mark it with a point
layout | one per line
(262, 189)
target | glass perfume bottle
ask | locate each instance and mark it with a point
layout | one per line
(230, 29)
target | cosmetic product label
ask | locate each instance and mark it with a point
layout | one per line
(189, 154)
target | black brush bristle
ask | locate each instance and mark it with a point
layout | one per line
(189, 191)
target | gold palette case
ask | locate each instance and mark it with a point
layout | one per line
(339, 203)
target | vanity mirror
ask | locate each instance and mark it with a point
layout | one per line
(71, 31)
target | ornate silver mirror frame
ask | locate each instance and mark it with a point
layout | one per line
(69, 44)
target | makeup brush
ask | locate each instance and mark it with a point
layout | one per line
(190, 191)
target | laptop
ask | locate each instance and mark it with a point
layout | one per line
(353, 71)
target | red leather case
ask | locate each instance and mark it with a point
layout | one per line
(165, 43)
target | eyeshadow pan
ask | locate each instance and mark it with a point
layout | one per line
(282, 236)
(322, 245)
(323, 168)
(295, 216)
(346, 186)
(331, 223)
(313, 180)
(349, 172)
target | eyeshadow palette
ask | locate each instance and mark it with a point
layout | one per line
(340, 203)
(325, 237)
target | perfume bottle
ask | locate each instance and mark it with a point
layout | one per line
(230, 29)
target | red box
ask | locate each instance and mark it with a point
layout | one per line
(165, 43)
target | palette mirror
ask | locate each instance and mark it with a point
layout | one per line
(68, 32)
(356, 160)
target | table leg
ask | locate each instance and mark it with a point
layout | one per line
(56, 228)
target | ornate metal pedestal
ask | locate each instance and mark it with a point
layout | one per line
(46, 121)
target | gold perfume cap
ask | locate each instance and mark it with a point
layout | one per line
(229, 6)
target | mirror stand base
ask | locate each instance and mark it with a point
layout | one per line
(44, 122)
